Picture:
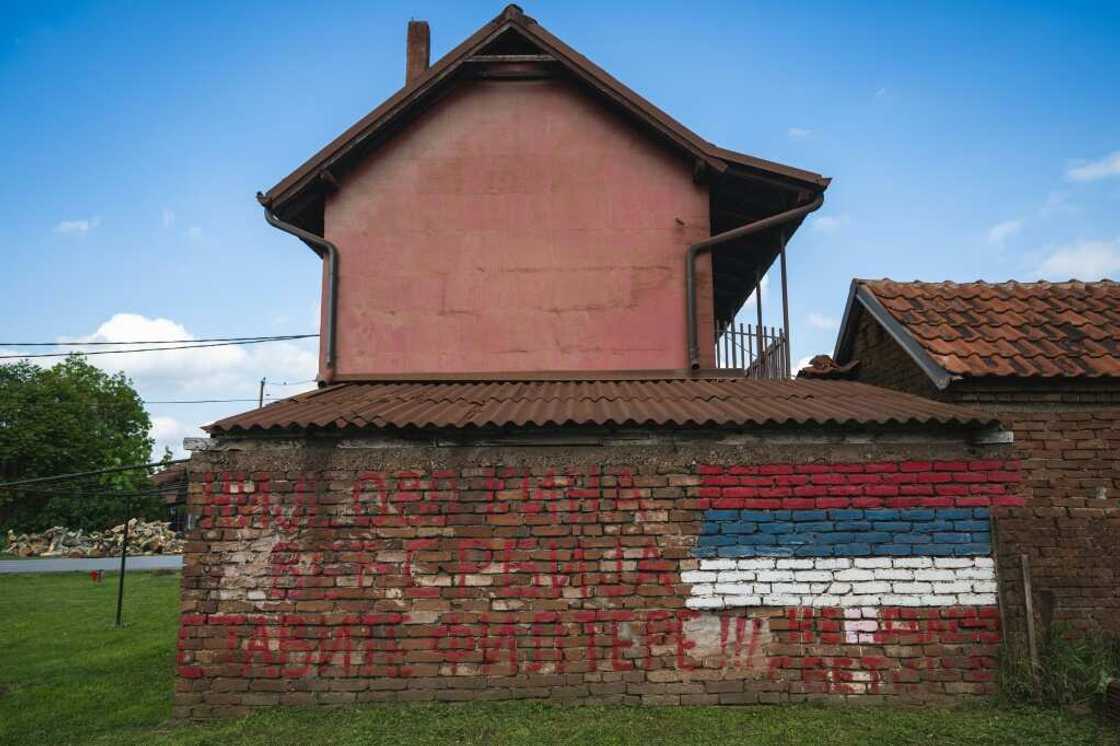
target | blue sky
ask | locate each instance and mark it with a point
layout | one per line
(966, 141)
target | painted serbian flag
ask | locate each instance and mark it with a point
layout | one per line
(919, 535)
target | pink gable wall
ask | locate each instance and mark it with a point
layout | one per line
(517, 226)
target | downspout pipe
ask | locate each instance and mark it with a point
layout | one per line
(708, 243)
(331, 253)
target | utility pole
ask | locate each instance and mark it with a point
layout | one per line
(124, 554)
(260, 398)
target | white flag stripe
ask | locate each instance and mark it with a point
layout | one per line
(848, 582)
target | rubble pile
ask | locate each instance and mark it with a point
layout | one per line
(153, 537)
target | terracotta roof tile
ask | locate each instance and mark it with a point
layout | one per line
(668, 402)
(1034, 329)
(823, 367)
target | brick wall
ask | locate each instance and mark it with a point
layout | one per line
(883, 362)
(1067, 436)
(323, 575)
(1070, 525)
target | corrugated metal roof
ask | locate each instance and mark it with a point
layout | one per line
(669, 402)
(1010, 329)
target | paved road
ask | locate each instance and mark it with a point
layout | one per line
(154, 562)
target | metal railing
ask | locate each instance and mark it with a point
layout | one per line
(761, 352)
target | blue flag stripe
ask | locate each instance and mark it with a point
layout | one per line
(941, 532)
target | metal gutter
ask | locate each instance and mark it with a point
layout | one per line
(668, 374)
(331, 252)
(708, 243)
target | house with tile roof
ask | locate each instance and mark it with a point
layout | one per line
(541, 462)
(1059, 338)
(1044, 357)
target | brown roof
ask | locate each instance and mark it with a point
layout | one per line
(679, 403)
(171, 475)
(824, 367)
(513, 21)
(1008, 329)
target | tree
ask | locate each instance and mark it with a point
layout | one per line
(72, 417)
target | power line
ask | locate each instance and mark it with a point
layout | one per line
(200, 401)
(160, 349)
(81, 474)
(293, 383)
(155, 341)
(92, 492)
(208, 401)
(225, 401)
(89, 486)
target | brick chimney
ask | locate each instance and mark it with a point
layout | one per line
(418, 44)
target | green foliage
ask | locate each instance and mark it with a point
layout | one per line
(68, 676)
(69, 418)
(1074, 669)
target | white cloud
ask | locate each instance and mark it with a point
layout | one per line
(798, 132)
(1093, 170)
(232, 372)
(168, 432)
(820, 321)
(1056, 204)
(829, 223)
(77, 227)
(168, 217)
(1085, 260)
(1000, 232)
(175, 365)
(211, 371)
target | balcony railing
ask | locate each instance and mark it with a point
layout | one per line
(761, 352)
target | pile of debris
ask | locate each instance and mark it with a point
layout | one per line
(154, 537)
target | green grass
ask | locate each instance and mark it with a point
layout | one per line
(70, 677)
(68, 671)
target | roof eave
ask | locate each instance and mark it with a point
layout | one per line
(298, 179)
(741, 403)
(860, 296)
(719, 159)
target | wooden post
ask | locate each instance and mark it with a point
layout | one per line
(1028, 603)
(758, 329)
(1001, 599)
(785, 301)
(120, 580)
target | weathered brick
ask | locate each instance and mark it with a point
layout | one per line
(460, 584)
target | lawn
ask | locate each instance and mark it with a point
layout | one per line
(68, 676)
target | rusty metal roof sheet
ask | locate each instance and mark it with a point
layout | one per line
(512, 19)
(1010, 329)
(636, 403)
